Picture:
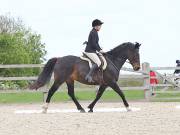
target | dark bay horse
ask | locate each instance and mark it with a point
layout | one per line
(70, 68)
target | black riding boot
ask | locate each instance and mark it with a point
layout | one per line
(89, 75)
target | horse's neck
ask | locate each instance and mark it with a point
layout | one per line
(118, 62)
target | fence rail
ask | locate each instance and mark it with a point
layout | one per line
(22, 66)
(165, 68)
(18, 78)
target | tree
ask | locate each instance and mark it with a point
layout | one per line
(19, 45)
(9, 24)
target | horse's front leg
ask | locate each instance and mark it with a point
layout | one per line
(99, 94)
(116, 88)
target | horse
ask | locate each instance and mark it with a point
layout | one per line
(71, 68)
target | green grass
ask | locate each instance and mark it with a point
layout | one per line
(23, 97)
(167, 97)
(83, 95)
(33, 97)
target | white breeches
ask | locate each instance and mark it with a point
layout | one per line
(94, 58)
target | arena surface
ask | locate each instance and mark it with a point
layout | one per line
(152, 118)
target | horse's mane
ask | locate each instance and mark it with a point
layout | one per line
(122, 47)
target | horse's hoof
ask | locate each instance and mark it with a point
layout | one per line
(128, 109)
(44, 111)
(82, 111)
(90, 111)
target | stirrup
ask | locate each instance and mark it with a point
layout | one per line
(89, 79)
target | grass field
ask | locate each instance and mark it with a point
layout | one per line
(31, 97)
(86, 94)
(167, 97)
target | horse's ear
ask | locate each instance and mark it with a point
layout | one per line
(137, 45)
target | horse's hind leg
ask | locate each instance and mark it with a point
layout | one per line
(99, 94)
(70, 86)
(51, 92)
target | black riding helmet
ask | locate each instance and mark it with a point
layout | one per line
(177, 61)
(96, 22)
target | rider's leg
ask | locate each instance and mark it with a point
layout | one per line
(89, 75)
(96, 60)
(104, 61)
(153, 93)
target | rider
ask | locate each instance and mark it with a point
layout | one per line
(177, 71)
(93, 48)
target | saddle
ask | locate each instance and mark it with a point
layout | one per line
(98, 76)
(103, 63)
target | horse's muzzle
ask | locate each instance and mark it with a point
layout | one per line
(136, 67)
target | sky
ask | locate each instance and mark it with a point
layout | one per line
(65, 25)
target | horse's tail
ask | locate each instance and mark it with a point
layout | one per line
(45, 75)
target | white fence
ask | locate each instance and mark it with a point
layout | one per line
(143, 74)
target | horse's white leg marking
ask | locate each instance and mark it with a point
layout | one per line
(45, 107)
(128, 109)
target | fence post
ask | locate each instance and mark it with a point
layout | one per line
(147, 90)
